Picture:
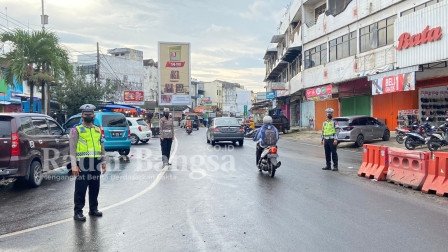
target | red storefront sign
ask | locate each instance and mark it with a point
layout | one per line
(175, 64)
(319, 93)
(427, 35)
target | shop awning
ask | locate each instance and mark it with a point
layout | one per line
(393, 72)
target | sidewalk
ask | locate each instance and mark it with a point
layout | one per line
(314, 136)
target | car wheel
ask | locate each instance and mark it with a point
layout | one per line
(208, 141)
(144, 141)
(359, 141)
(36, 174)
(285, 131)
(134, 139)
(213, 142)
(240, 142)
(386, 135)
(234, 142)
(124, 152)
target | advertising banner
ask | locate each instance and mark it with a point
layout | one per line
(394, 83)
(319, 93)
(174, 73)
(133, 97)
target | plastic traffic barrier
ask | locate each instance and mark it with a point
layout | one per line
(365, 160)
(380, 171)
(374, 158)
(407, 168)
(437, 179)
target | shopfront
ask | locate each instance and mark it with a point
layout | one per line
(393, 92)
(322, 98)
(355, 97)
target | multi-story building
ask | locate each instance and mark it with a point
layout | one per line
(150, 83)
(381, 58)
(213, 93)
(124, 66)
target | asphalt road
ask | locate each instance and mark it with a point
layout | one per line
(214, 198)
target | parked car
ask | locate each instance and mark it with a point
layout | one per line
(281, 122)
(31, 145)
(139, 130)
(358, 129)
(195, 120)
(114, 128)
(225, 129)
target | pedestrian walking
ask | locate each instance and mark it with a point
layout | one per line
(87, 155)
(166, 136)
(330, 141)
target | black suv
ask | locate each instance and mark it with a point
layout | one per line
(281, 122)
(31, 144)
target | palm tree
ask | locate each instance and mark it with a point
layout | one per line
(37, 58)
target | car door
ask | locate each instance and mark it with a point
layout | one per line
(40, 140)
(376, 128)
(61, 142)
(366, 128)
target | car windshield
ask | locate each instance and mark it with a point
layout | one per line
(141, 122)
(114, 121)
(226, 122)
(5, 127)
(342, 122)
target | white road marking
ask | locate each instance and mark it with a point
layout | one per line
(149, 188)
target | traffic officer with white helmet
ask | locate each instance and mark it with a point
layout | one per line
(87, 155)
(330, 140)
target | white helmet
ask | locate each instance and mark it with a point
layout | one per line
(267, 120)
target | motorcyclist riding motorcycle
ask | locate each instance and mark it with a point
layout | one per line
(260, 137)
(188, 125)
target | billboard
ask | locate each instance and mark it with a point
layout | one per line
(133, 97)
(394, 83)
(174, 73)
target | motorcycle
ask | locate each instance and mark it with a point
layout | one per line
(268, 161)
(249, 132)
(401, 132)
(188, 129)
(438, 138)
(414, 139)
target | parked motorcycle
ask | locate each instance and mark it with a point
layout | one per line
(414, 139)
(401, 132)
(438, 138)
(268, 161)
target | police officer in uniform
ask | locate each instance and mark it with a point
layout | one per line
(88, 161)
(166, 135)
(330, 141)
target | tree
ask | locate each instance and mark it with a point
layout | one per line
(36, 58)
(78, 91)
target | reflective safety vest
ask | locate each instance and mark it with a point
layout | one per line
(89, 142)
(329, 129)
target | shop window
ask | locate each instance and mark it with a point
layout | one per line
(316, 56)
(419, 7)
(343, 46)
(377, 34)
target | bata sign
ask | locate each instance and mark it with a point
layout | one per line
(427, 35)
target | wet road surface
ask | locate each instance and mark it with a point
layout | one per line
(214, 198)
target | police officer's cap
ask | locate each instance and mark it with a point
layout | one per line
(87, 108)
(329, 111)
(166, 110)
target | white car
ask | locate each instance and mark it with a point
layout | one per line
(139, 130)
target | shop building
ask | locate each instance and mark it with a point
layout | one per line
(349, 55)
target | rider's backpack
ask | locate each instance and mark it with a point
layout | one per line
(270, 137)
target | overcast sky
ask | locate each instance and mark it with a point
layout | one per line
(228, 37)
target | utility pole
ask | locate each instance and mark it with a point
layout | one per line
(43, 17)
(97, 72)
